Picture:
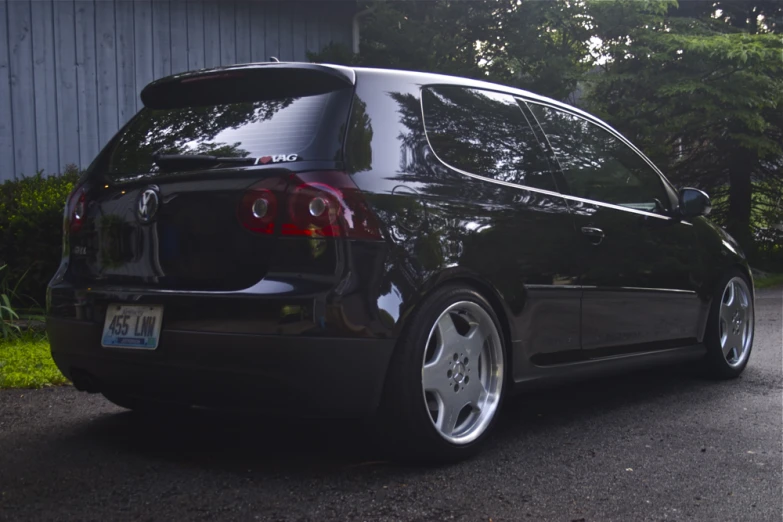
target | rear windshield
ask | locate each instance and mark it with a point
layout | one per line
(309, 127)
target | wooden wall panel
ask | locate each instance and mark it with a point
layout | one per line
(71, 70)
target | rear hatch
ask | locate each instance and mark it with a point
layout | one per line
(167, 202)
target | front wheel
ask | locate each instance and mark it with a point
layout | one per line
(446, 381)
(729, 336)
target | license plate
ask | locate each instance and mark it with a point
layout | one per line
(132, 326)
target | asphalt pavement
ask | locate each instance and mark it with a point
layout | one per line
(662, 444)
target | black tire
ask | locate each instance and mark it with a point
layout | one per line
(717, 365)
(405, 422)
(144, 406)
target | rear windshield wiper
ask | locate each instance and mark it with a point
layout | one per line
(186, 161)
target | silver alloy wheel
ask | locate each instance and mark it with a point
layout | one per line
(735, 321)
(462, 372)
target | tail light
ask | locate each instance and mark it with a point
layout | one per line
(76, 209)
(258, 210)
(315, 204)
(314, 209)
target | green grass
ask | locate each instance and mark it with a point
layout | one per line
(768, 281)
(27, 363)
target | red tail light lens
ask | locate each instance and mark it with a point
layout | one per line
(314, 210)
(76, 209)
(309, 204)
(258, 210)
(328, 204)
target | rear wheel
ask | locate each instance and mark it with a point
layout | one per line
(730, 329)
(446, 381)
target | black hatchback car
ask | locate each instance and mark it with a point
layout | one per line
(328, 241)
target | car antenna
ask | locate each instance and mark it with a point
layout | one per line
(274, 59)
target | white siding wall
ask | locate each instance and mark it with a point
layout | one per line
(71, 70)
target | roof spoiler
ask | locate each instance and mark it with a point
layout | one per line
(245, 83)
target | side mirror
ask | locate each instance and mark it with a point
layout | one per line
(694, 203)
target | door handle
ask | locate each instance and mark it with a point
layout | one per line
(594, 234)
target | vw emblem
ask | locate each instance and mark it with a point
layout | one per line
(147, 205)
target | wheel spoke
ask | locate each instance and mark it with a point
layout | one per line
(450, 408)
(729, 294)
(473, 342)
(473, 392)
(435, 380)
(733, 341)
(728, 345)
(740, 299)
(434, 375)
(727, 314)
(447, 331)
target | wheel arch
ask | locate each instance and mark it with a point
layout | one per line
(738, 266)
(745, 269)
(487, 290)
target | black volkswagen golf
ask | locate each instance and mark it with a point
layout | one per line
(328, 241)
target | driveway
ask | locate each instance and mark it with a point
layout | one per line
(656, 445)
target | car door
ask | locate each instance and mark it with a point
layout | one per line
(638, 260)
(518, 232)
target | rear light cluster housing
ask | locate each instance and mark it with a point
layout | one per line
(310, 204)
(76, 209)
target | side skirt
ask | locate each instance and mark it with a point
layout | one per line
(544, 376)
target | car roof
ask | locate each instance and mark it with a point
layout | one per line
(350, 74)
(426, 78)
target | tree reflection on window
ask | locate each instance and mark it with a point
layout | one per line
(484, 133)
(198, 130)
(597, 165)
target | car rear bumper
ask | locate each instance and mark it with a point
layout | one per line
(297, 375)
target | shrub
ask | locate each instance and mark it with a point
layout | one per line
(31, 217)
(26, 362)
(7, 314)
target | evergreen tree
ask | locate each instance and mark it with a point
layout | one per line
(703, 95)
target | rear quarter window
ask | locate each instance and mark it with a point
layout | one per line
(484, 133)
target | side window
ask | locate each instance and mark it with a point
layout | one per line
(485, 133)
(599, 166)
